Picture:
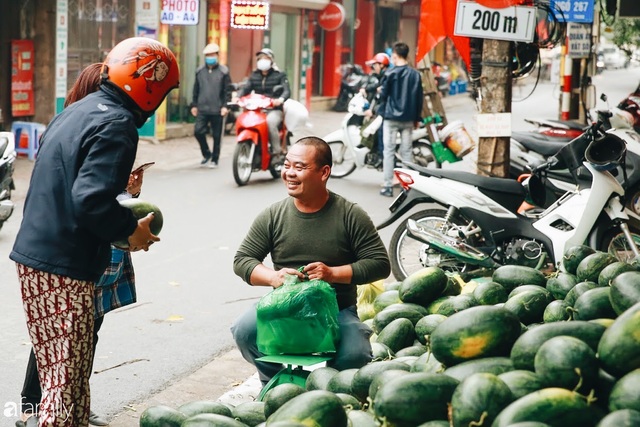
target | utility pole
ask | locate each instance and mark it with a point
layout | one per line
(496, 82)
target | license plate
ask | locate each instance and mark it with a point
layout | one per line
(398, 201)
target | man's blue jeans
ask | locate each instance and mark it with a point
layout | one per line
(390, 129)
(354, 350)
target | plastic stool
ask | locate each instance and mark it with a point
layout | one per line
(293, 373)
(33, 131)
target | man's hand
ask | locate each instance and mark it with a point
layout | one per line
(194, 111)
(224, 111)
(279, 276)
(277, 102)
(134, 186)
(142, 237)
(368, 113)
(319, 271)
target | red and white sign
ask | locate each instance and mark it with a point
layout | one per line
(499, 4)
(22, 66)
(332, 16)
(180, 12)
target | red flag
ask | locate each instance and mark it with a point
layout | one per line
(437, 21)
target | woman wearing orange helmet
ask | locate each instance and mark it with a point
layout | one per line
(71, 215)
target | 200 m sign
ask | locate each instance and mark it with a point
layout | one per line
(515, 23)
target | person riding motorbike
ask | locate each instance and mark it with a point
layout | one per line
(370, 89)
(263, 81)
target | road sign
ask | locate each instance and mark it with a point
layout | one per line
(573, 10)
(515, 23)
(499, 4)
(579, 36)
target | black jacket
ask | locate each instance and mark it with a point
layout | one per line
(212, 89)
(401, 96)
(71, 213)
(263, 85)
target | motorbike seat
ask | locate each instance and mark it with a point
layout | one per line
(507, 192)
(539, 143)
(502, 185)
(558, 124)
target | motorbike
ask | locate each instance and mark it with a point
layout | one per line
(8, 153)
(353, 146)
(234, 110)
(252, 136)
(477, 224)
(353, 77)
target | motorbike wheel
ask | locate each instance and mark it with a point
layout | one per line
(242, 162)
(615, 243)
(409, 255)
(423, 154)
(343, 161)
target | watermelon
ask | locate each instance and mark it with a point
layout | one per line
(364, 376)
(161, 415)
(250, 413)
(578, 290)
(612, 271)
(341, 382)
(414, 398)
(489, 365)
(473, 333)
(521, 382)
(204, 407)
(279, 395)
(456, 304)
(385, 299)
(383, 378)
(556, 311)
(210, 420)
(427, 362)
(567, 362)
(478, 400)
(423, 286)
(561, 284)
(316, 407)
(359, 418)
(594, 304)
(573, 256)
(528, 306)
(626, 392)
(621, 418)
(512, 276)
(141, 209)
(397, 334)
(625, 291)
(619, 347)
(592, 265)
(490, 293)
(557, 407)
(319, 378)
(426, 325)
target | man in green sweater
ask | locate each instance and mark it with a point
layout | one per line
(335, 241)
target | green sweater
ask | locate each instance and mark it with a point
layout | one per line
(340, 233)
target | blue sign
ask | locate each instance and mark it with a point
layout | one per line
(573, 10)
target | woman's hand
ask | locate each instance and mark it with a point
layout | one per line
(134, 186)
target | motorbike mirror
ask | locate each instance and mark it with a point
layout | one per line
(277, 90)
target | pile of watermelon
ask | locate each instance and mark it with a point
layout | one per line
(517, 349)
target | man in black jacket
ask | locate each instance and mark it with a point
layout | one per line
(401, 99)
(262, 81)
(211, 92)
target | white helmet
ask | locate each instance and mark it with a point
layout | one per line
(211, 48)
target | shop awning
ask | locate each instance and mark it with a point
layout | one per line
(303, 4)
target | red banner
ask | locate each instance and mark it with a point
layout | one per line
(437, 21)
(22, 97)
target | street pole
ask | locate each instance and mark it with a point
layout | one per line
(496, 87)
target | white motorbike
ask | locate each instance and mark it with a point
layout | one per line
(477, 223)
(7, 159)
(350, 145)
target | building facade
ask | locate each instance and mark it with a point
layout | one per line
(309, 40)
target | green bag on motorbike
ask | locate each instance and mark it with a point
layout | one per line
(298, 318)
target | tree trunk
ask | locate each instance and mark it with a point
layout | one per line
(493, 152)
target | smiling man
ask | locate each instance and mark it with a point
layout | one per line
(332, 238)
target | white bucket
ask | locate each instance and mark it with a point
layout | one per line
(455, 137)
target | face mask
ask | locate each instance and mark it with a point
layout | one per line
(210, 60)
(264, 64)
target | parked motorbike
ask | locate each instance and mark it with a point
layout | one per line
(352, 146)
(8, 153)
(477, 224)
(252, 136)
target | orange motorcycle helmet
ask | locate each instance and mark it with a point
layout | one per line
(144, 69)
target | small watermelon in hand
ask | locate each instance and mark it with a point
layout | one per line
(140, 209)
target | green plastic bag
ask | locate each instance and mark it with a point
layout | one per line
(298, 318)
